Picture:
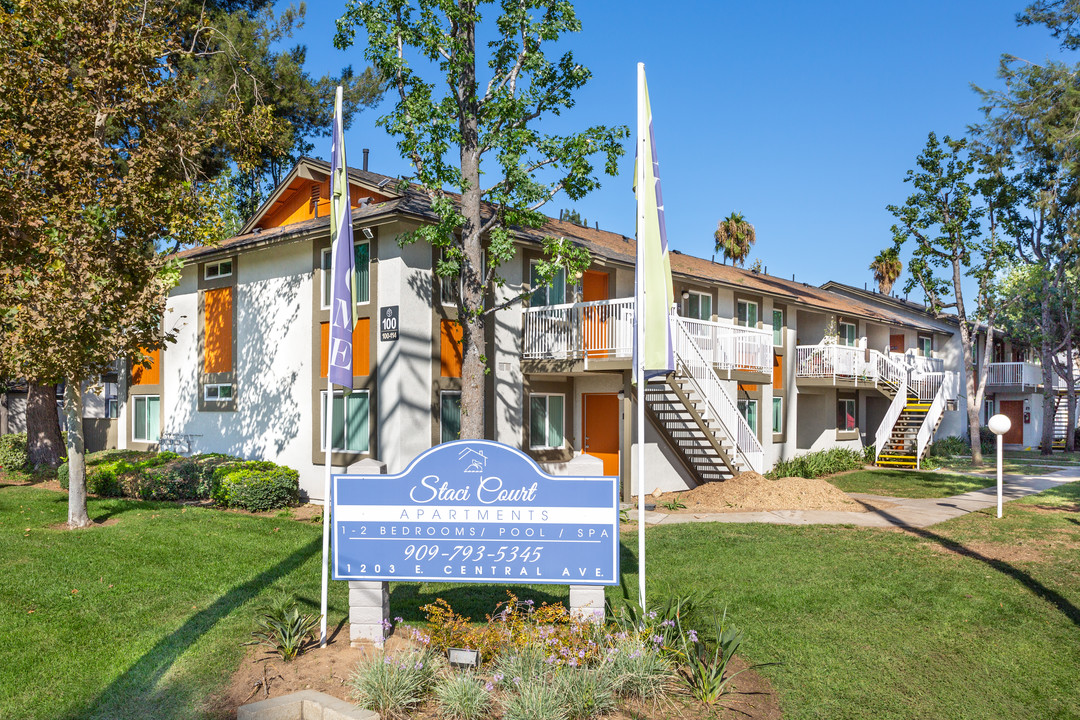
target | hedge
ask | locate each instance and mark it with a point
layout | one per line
(256, 486)
(13, 455)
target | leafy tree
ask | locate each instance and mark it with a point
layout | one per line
(573, 216)
(943, 219)
(232, 60)
(1060, 16)
(97, 167)
(481, 139)
(734, 238)
(887, 267)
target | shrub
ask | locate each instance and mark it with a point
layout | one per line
(950, 446)
(586, 692)
(987, 440)
(393, 686)
(704, 670)
(282, 627)
(818, 464)
(639, 670)
(13, 455)
(517, 665)
(257, 489)
(100, 481)
(62, 475)
(534, 701)
(462, 697)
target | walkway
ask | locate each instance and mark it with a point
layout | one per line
(906, 512)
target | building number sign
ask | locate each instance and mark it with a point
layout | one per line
(388, 323)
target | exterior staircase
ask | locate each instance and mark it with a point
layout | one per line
(900, 448)
(1061, 420)
(678, 412)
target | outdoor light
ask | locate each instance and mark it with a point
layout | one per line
(463, 657)
(685, 294)
(999, 425)
(367, 233)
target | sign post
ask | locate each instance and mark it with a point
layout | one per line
(476, 511)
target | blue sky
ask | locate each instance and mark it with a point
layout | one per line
(803, 116)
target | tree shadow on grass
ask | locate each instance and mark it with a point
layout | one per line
(1063, 605)
(136, 693)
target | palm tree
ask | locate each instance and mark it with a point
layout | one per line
(887, 268)
(734, 236)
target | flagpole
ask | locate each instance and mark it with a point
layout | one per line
(328, 433)
(639, 314)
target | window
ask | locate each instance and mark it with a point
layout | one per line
(777, 327)
(748, 313)
(554, 294)
(362, 277)
(699, 306)
(778, 414)
(845, 415)
(350, 421)
(545, 421)
(988, 410)
(748, 409)
(449, 290)
(147, 418)
(219, 392)
(450, 415)
(221, 269)
(846, 334)
(926, 346)
(112, 409)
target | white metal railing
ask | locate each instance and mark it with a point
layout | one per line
(946, 390)
(732, 347)
(718, 404)
(1014, 373)
(887, 369)
(927, 385)
(921, 364)
(885, 429)
(603, 328)
(832, 361)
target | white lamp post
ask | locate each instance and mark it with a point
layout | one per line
(999, 425)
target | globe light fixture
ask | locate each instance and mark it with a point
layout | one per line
(999, 425)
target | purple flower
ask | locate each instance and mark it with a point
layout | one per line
(517, 681)
(572, 663)
(399, 619)
(693, 635)
(581, 654)
(651, 615)
(489, 687)
(657, 639)
(419, 665)
(529, 602)
(497, 677)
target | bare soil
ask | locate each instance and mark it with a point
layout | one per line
(751, 492)
(263, 675)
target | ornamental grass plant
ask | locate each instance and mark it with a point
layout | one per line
(395, 685)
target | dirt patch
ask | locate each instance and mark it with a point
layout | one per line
(750, 492)
(1053, 509)
(1000, 552)
(262, 675)
(93, 524)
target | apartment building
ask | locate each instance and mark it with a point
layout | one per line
(768, 368)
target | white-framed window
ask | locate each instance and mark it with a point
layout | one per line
(845, 415)
(546, 421)
(747, 312)
(988, 410)
(748, 409)
(778, 414)
(112, 408)
(218, 392)
(147, 416)
(212, 271)
(449, 415)
(699, 306)
(362, 276)
(926, 346)
(845, 334)
(350, 418)
(777, 327)
(553, 294)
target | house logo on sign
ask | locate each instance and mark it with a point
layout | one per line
(475, 458)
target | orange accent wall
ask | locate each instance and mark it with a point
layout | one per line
(295, 204)
(450, 349)
(746, 387)
(361, 342)
(777, 371)
(147, 374)
(218, 330)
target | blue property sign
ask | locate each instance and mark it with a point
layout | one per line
(476, 511)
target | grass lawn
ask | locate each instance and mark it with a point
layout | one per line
(1018, 462)
(907, 483)
(974, 618)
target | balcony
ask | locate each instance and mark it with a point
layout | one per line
(1014, 374)
(597, 333)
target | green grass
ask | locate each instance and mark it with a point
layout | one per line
(1017, 462)
(865, 623)
(907, 483)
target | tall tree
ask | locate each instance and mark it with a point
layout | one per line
(43, 442)
(943, 219)
(97, 167)
(734, 237)
(505, 168)
(887, 267)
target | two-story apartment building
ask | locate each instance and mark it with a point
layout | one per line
(767, 367)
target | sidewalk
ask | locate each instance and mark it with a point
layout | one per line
(906, 513)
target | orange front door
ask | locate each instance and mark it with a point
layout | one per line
(601, 421)
(1014, 410)
(594, 287)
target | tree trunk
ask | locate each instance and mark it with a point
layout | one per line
(73, 409)
(1046, 352)
(42, 427)
(473, 395)
(4, 413)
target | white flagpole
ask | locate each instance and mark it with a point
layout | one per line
(639, 313)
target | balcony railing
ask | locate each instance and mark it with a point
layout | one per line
(605, 329)
(1014, 373)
